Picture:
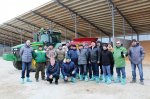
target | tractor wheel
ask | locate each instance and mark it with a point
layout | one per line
(17, 65)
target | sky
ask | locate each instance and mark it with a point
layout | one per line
(12, 8)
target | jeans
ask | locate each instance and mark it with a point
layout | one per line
(26, 67)
(89, 69)
(121, 70)
(112, 69)
(140, 68)
(83, 69)
(106, 71)
(95, 69)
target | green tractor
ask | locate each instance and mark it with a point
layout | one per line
(43, 37)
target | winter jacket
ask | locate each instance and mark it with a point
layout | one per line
(26, 53)
(53, 70)
(68, 68)
(39, 56)
(73, 55)
(51, 53)
(107, 58)
(60, 55)
(118, 59)
(94, 54)
(136, 54)
(82, 56)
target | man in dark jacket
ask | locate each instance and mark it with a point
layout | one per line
(82, 62)
(26, 55)
(136, 56)
(53, 71)
(107, 60)
(72, 53)
(95, 60)
(69, 70)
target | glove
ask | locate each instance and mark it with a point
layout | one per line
(122, 54)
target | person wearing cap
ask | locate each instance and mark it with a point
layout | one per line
(136, 56)
(106, 61)
(120, 53)
(82, 62)
(40, 59)
(72, 53)
(53, 71)
(94, 61)
(69, 70)
(26, 53)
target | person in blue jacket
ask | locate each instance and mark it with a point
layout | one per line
(53, 71)
(69, 70)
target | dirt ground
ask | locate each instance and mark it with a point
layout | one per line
(11, 88)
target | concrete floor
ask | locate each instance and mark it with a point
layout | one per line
(10, 87)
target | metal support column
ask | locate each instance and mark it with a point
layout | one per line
(138, 37)
(113, 25)
(124, 29)
(131, 34)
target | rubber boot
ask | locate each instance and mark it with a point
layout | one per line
(123, 81)
(81, 77)
(28, 79)
(108, 80)
(22, 81)
(97, 79)
(104, 79)
(86, 78)
(112, 78)
(118, 80)
(73, 80)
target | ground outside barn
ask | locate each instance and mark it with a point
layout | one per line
(10, 87)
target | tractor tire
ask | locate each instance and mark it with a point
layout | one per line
(17, 65)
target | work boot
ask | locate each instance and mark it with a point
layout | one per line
(86, 78)
(81, 77)
(142, 82)
(28, 79)
(97, 79)
(73, 80)
(118, 80)
(123, 81)
(22, 81)
(108, 80)
(50, 81)
(133, 81)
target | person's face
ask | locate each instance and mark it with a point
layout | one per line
(45, 47)
(40, 48)
(28, 43)
(52, 61)
(98, 44)
(134, 43)
(118, 43)
(51, 47)
(109, 46)
(60, 47)
(80, 47)
(104, 48)
(67, 60)
(92, 44)
(86, 46)
(73, 47)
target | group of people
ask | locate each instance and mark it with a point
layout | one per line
(88, 62)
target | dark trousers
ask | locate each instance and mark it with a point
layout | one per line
(40, 67)
(26, 67)
(89, 70)
(76, 63)
(83, 69)
(112, 69)
(121, 70)
(101, 69)
(95, 69)
(56, 77)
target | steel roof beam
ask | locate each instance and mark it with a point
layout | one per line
(92, 24)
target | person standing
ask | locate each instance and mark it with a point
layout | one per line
(120, 53)
(94, 61)
(51, 52)
(53, 71)
(26, 53)
(107, 60)
(40, 59)
(82, 62)
(136, 56)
